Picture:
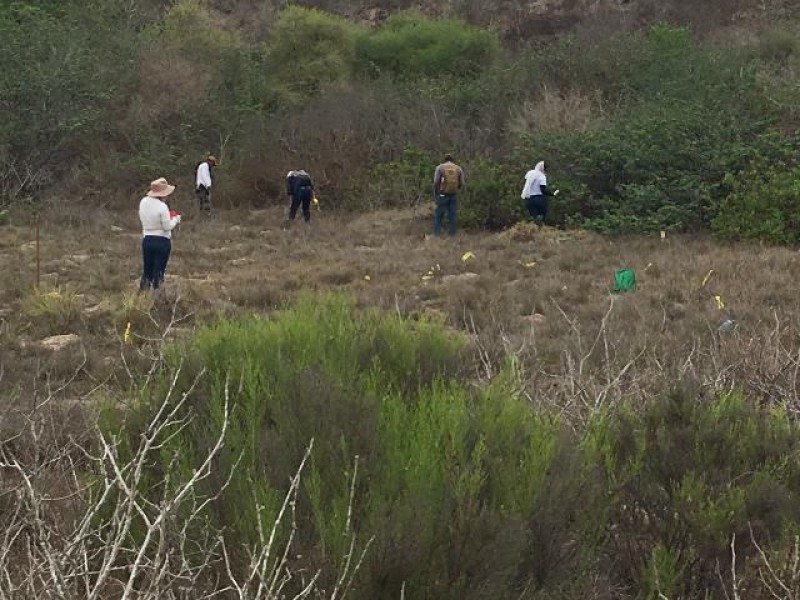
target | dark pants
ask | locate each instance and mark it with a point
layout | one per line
(302, 196)
(203, 198)
(155, 254)
(537, 207)
(445, 203)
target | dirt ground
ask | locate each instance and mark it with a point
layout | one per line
(538, 297)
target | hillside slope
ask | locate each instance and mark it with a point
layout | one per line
(519, 19)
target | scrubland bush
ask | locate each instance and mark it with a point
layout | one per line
(459, 488)
(309, 48)
(56, 310)
(411, 45)
(763, 204)
(687, 476)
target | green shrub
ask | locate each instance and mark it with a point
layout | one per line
(453, 481)
(56, 310)
(762, 205)
(687, 475)
(309, 48)
(401, 183)
(462, 486)
(411, 45)
(58, 83)
(491, 199)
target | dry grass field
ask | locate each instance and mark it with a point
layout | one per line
(539, 296)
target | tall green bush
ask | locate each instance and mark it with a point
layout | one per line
(309, 48)
(446, 471)
(463, 486)
(410, 45)
(687, 475)
(763, 204)
(57, 85)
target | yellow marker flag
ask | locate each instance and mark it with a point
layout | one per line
(720, 303)
(529, 265)
(663, 235)
(367, 278)
(707, 277)
(127, 337)
(469, 255)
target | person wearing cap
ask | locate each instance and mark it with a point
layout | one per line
(202, 184)
(157, 225)
(300, 189)
(448, 179)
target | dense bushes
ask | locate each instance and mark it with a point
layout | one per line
(463, 489)
(643, 130)
(763, 204)
(310, 48)
(409, 45)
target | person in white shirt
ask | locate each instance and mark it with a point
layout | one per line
(535, 192)
(157, 225)
(202, 185)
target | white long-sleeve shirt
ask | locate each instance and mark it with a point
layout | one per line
(154, 215)
(534, 180)
(203, 176)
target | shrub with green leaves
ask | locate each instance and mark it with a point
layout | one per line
(407, 181)
(762, 205)
(309, 48)
(462, 485)
(687, 475)
(54, 93)
(410, 45)
(450, 475)
(491, 200)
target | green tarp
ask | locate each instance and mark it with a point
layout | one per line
(624, 280)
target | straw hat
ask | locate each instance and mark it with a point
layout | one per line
(160, 188)
(212, 159)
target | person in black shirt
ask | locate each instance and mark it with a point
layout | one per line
(300, 189)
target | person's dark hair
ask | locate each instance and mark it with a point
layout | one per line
(448, 158)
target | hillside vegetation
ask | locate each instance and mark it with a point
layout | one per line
(644, 129)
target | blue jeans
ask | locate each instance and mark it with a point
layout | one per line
(302, 196)
(445, 203)
(155, 254)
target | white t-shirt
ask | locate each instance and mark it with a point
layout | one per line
(154, 215)
(203, 176)
(534, 180)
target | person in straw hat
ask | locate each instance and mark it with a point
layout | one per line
(157, 225)
(202, 185)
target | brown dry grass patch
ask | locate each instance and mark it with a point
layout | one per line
(538, 293)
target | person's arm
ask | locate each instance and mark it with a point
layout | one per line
(168, 223)
(461, 180)
(290, 185)
(437, 180)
